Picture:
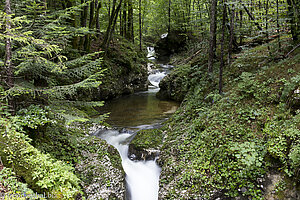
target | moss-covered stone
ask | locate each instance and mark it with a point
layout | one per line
(100, 170)
(147, 139)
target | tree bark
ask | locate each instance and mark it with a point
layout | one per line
(83, 22)
(8, 65)
(169, 17)
(222, 49)
(212, 40)
(99, 5)
(130, 33)
(8, 48)
(231, 38)
(124, 17)
(241, 27)
(140, 23)
(291, 16)
(278, 27)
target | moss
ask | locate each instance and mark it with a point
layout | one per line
(147, 139)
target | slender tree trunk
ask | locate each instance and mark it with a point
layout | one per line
(8, 48)
(8, 65)
(130, 21)
(83, 21)
(124, 16)
(87, 41)
(241, 27)
(169, 17)
(114, 21)
(231, 39)
(99, 5)
(278, 27)
(140, 23)
(212, 39)
(292, 20)
(252, 17)
(111, 24)
(222, 49)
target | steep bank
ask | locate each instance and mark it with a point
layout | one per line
(125, 70)
(243, 144)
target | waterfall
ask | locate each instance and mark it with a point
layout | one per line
(142, 177)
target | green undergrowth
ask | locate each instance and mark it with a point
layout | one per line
(223, 145)
(14, 188)
(43, 150)
(40, 171)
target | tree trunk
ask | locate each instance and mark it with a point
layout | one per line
(252, 17)
(212, 40)
(291, 16)
(8, 66)
(140, 23)
(124, 17)
(278, 27)
(231, 33)
(169, 17)
(130, 33)
(99, 5)
(111, 24)
(241, 27)
(8, 48)
(222, 49)
(87, 41)
(83, 21)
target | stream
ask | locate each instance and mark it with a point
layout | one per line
(135, 112)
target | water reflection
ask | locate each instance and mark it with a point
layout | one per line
(138, 109)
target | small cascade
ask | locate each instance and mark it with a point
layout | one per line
(151, 53)
(142, 177)
(156, 77)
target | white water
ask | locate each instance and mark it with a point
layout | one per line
(142, 177)
(151, 53)
(156, 78)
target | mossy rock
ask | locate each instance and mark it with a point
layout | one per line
(146, 144)
(147, 139)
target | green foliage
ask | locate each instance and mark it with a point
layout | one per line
(15, 187)
(226, 143)
(42, 172)
(247, 85)
(33, 116)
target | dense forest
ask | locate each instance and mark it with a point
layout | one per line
(236, 134)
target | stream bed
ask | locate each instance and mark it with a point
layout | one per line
(136, 112)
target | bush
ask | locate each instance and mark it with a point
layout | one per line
(41, 172)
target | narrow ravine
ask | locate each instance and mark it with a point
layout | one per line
(135, 112)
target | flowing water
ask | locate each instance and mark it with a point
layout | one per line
(142, 177)
(138, 111)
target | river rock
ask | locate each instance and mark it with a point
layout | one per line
(101, 171)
